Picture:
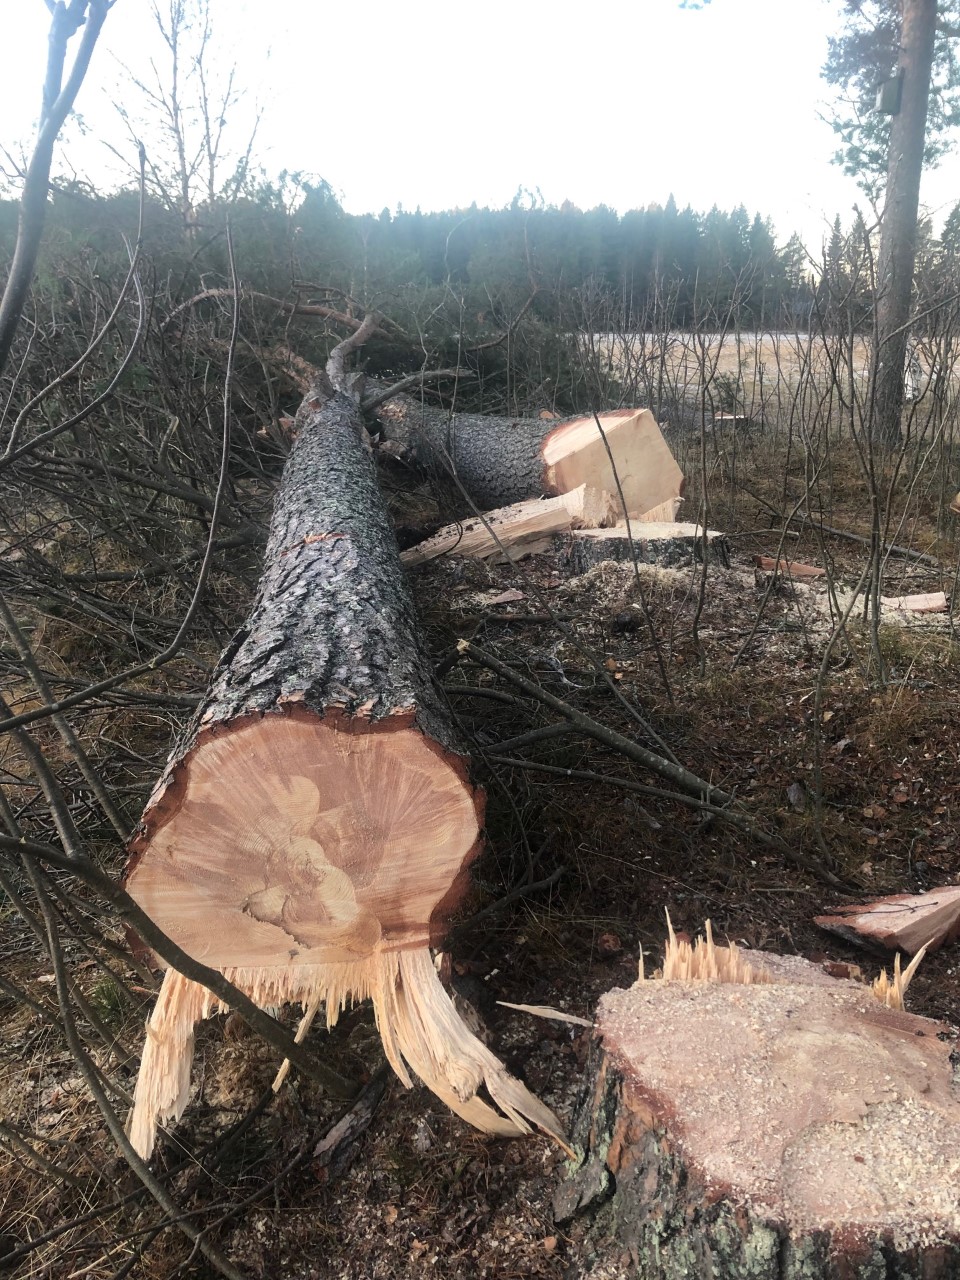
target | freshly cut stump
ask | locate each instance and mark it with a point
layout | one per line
(311, 834)
(501, 461)
(791, 1129)
(654, 542)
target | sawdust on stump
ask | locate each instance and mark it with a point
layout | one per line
(793, 1127)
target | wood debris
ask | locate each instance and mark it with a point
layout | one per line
(902, 922)
(929, 602)
(789, 568)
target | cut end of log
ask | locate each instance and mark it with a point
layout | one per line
(649, 476)
(293, 840)
(418, 1024)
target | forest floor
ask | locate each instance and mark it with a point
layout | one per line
(859, 775)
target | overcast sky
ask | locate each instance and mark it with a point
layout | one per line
(434, 103)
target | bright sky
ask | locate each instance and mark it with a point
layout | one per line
(437, 103)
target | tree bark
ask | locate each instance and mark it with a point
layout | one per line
(791, 1129)
(898, 231)
(311, 834)
(58, 100)
(500, 461)
(660, 543)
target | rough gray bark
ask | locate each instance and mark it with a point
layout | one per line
(657, 544)
(898, 228)
(497, 460)
(333, 622)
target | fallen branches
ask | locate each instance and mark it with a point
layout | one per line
(688, 782)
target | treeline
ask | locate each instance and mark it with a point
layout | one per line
(702, 264)
(720, 264)
(458, 279)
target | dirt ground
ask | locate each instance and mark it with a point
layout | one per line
(861, 779)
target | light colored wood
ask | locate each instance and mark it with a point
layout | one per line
(789, 568)
(901, 922)
(298, 842)
(516, 526)
(419, 1026)
(649, 475)
(791, 1126)
(927, 602)
(665, 513)
(298, 866)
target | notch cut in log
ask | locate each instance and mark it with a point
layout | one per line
(523, 528)
(501, 461)
(788, 1129)
(311, 834)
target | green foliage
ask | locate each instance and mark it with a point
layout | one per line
(108, 1001)
(863, 56)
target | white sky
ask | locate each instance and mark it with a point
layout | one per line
(438, 103)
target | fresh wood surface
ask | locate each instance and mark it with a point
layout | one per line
(793, 1127)
(524, 527)
(501, 461)
(901, 922)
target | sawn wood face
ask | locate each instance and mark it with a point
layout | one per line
(295, 841)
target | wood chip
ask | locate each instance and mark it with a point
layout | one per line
(790, 568)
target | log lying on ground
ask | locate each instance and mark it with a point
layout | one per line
(793, 1128)
(524, 528)
(500, 461)
(311, 834)
(902, 922)
(654, 542)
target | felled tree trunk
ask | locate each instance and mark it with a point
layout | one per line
(500, 461)
(793, 1128)
(311, 834)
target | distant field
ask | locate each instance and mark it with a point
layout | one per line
(765, 363)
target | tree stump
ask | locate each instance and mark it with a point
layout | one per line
(651, 542)
(791, 1129)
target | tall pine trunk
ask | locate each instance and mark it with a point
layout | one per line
(898, 236)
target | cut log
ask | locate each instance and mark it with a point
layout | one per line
(664, 543)
(903, 922)
(925, 602)
(793, 1128)
(311, 834)
(500, 461)
(523, 528)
